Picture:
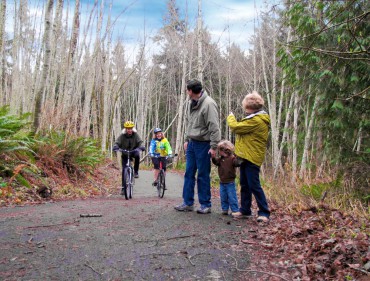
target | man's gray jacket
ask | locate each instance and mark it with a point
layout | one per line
(203, 121)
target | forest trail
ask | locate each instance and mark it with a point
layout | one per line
(139, 239)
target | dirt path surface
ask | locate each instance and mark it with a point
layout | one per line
(139, 239)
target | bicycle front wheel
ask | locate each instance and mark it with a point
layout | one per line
(132, 181)
(127, 187)
(161, 186)
(131, 185)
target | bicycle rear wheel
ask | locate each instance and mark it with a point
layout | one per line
(127, 183)
(161, 185)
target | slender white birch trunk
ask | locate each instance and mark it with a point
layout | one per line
(271, 100)
(308, 137)
(45, 68)
(180, 109)
(295, 136)
(200, 42)
(2, 52)
(107, 106)
(284, 137)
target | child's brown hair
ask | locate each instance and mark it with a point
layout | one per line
(226, 146)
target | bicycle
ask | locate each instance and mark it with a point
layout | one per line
(161, 179)
(128, 175)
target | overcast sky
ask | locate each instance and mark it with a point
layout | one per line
(224, 19)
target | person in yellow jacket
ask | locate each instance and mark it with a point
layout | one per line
(250, 146)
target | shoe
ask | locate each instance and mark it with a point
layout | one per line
(136, 175)
(225, 213)
(204, 210)
(155, 183)
(239, 215)
(184, 208)
(263, 219)
(122, 191)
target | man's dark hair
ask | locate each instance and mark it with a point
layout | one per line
(194, 85)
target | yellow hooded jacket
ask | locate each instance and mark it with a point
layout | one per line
(251, 136)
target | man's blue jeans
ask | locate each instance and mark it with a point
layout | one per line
(197, 159)
(228, 197)
(250, 184)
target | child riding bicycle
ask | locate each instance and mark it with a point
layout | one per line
(159, 149)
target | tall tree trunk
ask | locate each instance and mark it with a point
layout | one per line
(106, 76)
(2, 52)
(228, 89)
(45, 67)
(58, 42)
(200, 42)
(271, 99)
(284, 137)
(141, 96)
(308, 136)
(180, 109)
(295, 137)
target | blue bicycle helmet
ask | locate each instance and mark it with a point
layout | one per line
(157, 130)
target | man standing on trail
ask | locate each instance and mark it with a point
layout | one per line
(201, 137)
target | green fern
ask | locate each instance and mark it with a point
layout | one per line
(76, 154)
(14, 140)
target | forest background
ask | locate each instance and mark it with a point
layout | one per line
(67, 85)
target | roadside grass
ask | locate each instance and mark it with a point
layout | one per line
(329, 192)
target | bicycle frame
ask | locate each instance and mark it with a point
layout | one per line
(128, 170)
(161, 178)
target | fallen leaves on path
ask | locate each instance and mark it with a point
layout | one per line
(312, 245)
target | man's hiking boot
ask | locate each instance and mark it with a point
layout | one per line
(204, 210)
(184, 208)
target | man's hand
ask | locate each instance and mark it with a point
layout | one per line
(185, 146)
(212, 152)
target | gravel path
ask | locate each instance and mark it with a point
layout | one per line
(139, 239)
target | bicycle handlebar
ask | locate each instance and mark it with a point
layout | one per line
(125, 150)
(158, 156)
